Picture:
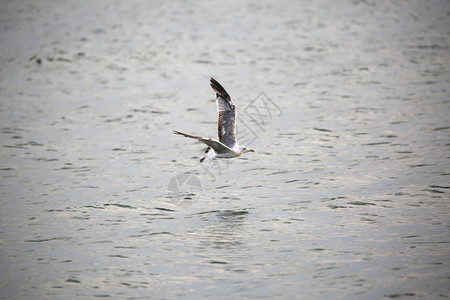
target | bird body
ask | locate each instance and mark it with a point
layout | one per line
(227, 145)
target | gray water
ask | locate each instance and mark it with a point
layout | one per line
(346, 103)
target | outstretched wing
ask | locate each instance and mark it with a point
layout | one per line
(218, 147)
(227, 115)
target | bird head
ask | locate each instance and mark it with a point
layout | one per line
(246, 149)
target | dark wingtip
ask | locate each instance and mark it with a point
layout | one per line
(202, 159)
(218, 88)
(213, 83)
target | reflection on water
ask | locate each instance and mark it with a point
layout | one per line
(346, 106)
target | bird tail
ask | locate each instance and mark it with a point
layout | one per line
(188, 135)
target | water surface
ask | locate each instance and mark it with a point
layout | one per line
(346, 196)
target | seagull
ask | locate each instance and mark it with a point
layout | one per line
(227, 145)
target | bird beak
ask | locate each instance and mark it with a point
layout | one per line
(251, 150)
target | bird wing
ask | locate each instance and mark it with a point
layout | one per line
(217, 146)
(227, 115)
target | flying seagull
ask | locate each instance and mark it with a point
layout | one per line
(227, 145)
